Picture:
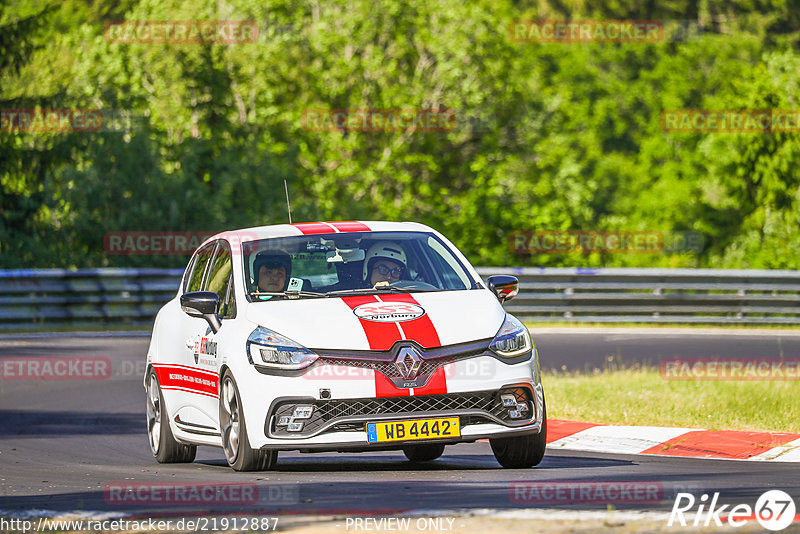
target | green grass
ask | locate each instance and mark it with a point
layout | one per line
(640, 396)
(745, 326)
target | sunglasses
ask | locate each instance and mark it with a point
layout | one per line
(384, 270)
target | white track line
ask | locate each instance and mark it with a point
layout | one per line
(618, 439)
(783, 453)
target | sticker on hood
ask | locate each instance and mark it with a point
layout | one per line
(389, 312)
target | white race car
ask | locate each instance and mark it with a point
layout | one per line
(340, 336)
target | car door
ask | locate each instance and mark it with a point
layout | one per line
(202, 344)
(193, 354)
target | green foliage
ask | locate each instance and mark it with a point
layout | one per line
(548, 136)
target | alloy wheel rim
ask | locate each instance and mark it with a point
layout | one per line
(153, 414)
(229, 420)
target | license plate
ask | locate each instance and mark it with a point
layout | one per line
(447, 427)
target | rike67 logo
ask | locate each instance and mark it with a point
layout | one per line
(774, 510)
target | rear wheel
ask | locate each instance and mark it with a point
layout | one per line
(423, 453)
(523, 451)
(234, 432)
(164, 446)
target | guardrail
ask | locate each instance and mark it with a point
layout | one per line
(37, 299)
(129, 298)
(624, 295)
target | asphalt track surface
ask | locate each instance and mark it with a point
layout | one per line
(64, 443)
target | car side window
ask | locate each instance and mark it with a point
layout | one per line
(219, 279)
(200, 261)
(187, 274)
(446, 265)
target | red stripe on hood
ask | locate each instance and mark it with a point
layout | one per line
(385, 388)
(420, 329)
(437, 384)
(382, 336)
(423, 332)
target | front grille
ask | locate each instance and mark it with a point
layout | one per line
(388, 368)
(404, 405)
(384, 361)
(328, 413)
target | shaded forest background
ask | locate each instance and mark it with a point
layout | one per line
(549, 136)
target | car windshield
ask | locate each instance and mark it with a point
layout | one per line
(325, 265)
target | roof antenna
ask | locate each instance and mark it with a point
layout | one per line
(288, 207)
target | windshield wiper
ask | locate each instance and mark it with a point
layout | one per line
(287, 293)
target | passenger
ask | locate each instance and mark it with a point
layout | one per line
(385, 261)
(272, 269)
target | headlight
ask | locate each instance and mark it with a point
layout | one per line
(271, 349)
(512, 339)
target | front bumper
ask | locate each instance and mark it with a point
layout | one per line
(341, 424)
(474, 380)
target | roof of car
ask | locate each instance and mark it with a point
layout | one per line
(309, 228)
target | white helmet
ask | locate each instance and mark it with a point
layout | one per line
(385, 250)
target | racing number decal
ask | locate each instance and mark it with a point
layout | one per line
(391, 308)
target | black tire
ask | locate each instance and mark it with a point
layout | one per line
(524, 451)
(423, 453)
(238, 453)
(165, 448)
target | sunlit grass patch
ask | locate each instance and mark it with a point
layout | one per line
(640, 396)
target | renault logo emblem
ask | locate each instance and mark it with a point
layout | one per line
(408, 363)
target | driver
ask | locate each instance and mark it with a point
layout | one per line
(272, 270)
(385, 261)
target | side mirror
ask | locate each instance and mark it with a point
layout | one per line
(203, 305)
(504, 287)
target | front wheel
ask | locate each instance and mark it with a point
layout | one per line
(163, 445)
(523, 451)
(423, 453)
(234, 432)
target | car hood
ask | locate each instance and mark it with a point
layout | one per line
(377, 321)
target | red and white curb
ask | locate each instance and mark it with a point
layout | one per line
(664, 441)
